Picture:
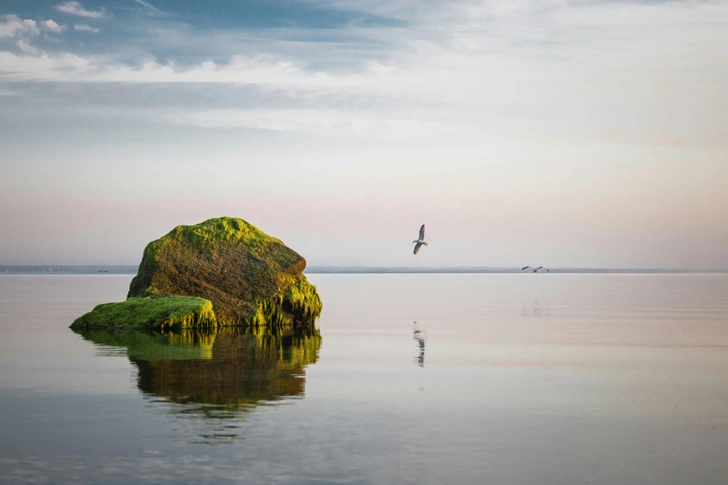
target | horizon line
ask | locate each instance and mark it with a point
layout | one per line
(343, 269)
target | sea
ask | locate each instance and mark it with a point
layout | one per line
(467, 378)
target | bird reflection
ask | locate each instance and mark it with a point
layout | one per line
(419, 335)
(538, 309)
(217, 375)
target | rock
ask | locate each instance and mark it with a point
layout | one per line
(158, 312)
(250, 278)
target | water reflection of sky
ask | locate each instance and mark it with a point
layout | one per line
(624, 382)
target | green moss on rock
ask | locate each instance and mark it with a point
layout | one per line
(153, 313)
(250, 277)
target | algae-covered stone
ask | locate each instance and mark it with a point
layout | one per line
(250, 277)
(157, 312)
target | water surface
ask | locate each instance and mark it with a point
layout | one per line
(422, 379)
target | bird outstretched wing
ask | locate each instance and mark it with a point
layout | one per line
(417, 246)
(525, 267)
(422, 232)
(538, 268)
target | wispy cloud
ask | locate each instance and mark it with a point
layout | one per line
(148, 5)
(12, 26)
(86, 28)
(25, 46)
(52, 26)
(368, 124)
(536, 71)
(75, 8)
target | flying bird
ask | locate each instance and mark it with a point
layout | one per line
(536, 270)
(421, 240)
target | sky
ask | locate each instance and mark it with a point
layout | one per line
(521, 132)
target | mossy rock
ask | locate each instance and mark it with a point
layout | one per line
(250, 277)
(158, 312)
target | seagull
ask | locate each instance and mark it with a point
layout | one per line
(421, 240)
(536, 270)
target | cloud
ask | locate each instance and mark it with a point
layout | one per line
(368, 124)
(75, 8)
(261, 70)
(53, 27)
(25, 46)
(148, 5)
(86, 28)
(12, 26)
(564, 73)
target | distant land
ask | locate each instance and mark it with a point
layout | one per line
(131, 270)
(60, 269)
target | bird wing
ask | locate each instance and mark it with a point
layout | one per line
(422, 233)
(417, 246)
(547, 270)
(538, 268)
(525, 267)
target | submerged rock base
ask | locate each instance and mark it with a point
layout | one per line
(162, 312)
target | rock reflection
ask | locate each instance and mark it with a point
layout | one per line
(217, 375)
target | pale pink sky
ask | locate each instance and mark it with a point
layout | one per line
(540, 133)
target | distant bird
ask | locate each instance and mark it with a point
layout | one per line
(536, 270)
(421, 240)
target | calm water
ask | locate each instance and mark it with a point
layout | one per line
(414, 379)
